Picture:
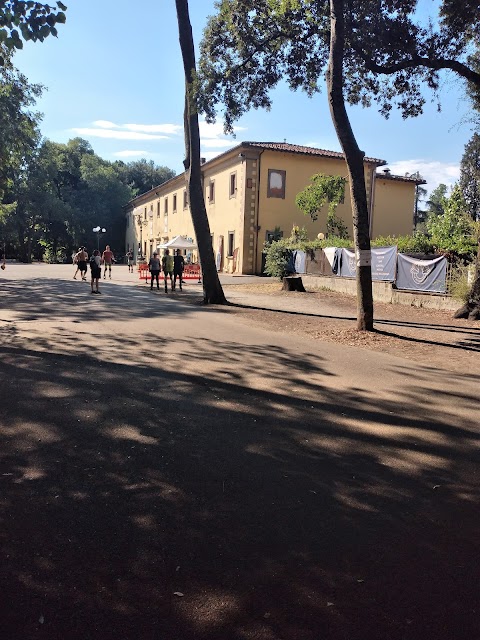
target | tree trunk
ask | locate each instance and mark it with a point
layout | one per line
(293, 283)
(212, 289)
(471, 309)
(354, 158)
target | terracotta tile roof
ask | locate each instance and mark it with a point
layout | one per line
(310, 151)
(383, 175)
(284, 147)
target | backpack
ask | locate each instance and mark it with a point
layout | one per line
(93, 263)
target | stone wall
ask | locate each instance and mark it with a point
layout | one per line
(383, 292)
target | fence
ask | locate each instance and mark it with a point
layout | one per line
(408, 272)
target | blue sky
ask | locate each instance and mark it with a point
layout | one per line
(114, 77)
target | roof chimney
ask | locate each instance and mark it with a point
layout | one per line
(386, 171)
(203, 160)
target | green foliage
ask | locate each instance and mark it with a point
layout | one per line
(298, 235)
(51, 254)
(391, 53)
(142, 175)
(278, 252)
(470, 176)
(18, 123)
(436, 201)
(417, 243)
(324, 190)
(452, 231)
(27, 20)
(459, 286)
(277, 257)
(336, 227)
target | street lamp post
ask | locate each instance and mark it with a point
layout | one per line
(99, 231)
(140, 223)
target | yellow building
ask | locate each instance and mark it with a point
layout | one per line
(250, 191)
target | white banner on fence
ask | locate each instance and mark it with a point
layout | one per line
(421, 275)
(383, 263)
(348, 264)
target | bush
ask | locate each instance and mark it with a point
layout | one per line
(417, 243)
(459, 286)
(277, 257)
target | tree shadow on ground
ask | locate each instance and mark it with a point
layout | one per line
(33, 300)
(280, 507)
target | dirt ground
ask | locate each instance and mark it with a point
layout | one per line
(423, 335)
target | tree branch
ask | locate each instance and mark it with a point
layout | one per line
(417, 61)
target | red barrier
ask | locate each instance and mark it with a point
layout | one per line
(191, 272)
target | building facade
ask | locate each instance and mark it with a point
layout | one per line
(250, 192)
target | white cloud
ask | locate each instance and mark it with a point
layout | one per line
(433, 171)
(171, 129)
(105, 124)
(212, 135)
(215, 130)
(131, 153)
(115, 134)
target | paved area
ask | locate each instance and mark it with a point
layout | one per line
(175, 472)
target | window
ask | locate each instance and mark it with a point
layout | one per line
(165, 205)
(211, 191)
(158, 209)
(276, 183)
(145, 214)
(231, 243)
(272, 236)
(185, 199)
(233, 185)
(174, 207)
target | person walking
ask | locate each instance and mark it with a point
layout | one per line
(130, 260)
(107, 259)
(81, 259)
(95, 270)
(75, 262)
(154, 268)
(178, 267)
(167, 267)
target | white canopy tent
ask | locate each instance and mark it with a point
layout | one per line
(178, 243)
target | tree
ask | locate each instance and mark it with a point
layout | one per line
(380, 52)
(27, 20)
(142, 175)
(324, 190)
(470, 176)
(452, 230)
(212, 289)
(18, 123)
(354, 158)
(435, 204)
(250, 45)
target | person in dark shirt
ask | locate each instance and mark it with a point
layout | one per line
(178, 267)
(167, 266)
(154, 268)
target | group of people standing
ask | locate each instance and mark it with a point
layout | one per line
(96, 260)
(172, 267)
